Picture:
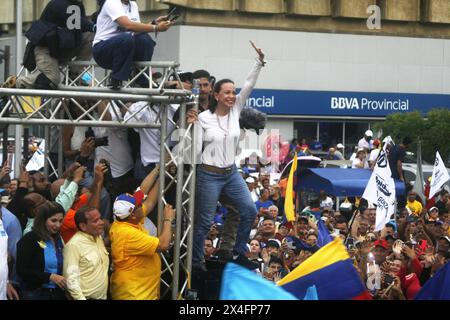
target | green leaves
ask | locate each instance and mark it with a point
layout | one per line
(434, 131)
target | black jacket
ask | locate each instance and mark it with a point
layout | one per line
(31, 262)
(51, 30)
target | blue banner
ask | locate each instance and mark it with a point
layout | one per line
(338, 103)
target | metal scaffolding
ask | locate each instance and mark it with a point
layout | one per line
(76, 103)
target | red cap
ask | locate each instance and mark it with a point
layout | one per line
(382, 243)
(376, 142)
(139, 197)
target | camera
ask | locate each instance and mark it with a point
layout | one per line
(350, 242)
(99, 142)
(107, 181)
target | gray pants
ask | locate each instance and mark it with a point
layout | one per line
(49, 66)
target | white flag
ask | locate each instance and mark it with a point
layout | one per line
(38, 159)
(380, 189)
(439, 177)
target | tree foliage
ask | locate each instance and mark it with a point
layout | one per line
(433, 131)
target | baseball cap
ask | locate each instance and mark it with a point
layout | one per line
(340, 146)
(125, 203)
(274, 243)
(433, 208)
(369, 133)
(381, 243)
(376, 142)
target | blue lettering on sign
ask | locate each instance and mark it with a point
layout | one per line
(336, 103)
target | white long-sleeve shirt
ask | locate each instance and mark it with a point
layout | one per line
(220, 135)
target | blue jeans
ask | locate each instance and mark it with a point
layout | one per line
(209, 187)
(119, 52)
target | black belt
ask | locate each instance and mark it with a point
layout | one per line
(217, 169)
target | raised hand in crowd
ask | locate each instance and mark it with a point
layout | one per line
(87, 146)
(78, 173)
(5, 170)
(24, 179)
(409, 252)
(259, 52)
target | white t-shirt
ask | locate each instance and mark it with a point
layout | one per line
(3, 261)
(220, 134)
(327, 203)
(111, 11)
(150, 138)
(357, 161)
(362, 143)
(118, 150)
(374, 154)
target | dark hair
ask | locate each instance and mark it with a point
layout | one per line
(268, 218)
(217, 87)
(407, 141)
(80, 215)
(340, 219)
(45, 212)
(275, 260)
(201, 74)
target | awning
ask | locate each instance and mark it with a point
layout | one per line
(339, 182)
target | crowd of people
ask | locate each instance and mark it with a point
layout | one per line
(91, 234)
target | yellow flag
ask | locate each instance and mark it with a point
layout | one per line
(289, 200)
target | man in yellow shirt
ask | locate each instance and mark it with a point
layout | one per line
(135, 254)
(413, 205)
(86, 260)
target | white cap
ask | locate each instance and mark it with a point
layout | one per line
(340, 146)
(250, 180)
(369, 133)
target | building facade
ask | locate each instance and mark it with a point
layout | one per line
(335, 67)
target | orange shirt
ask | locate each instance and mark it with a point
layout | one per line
(69, 228)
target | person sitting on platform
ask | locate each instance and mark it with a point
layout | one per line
(121, 38)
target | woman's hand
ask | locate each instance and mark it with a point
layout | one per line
(60, 281)
(259, 52)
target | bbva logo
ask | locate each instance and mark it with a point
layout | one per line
(344, 103)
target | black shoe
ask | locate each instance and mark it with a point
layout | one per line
(114, 84)
(245, 262)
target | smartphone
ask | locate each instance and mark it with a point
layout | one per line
(172, 15)
(388, 279)
(9, 160)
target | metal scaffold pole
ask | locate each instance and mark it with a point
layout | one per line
(56, 108)
(19, 128)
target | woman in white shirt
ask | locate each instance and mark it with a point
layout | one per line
(121, 38)
(218, 130)
(360, 160)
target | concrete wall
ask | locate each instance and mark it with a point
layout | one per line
(316, 61)
(419, 18)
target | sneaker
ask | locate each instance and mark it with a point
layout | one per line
(244, 262)
(114, 84)
(10, 82)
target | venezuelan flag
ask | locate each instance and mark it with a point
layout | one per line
(331, 270)
(289, 209)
